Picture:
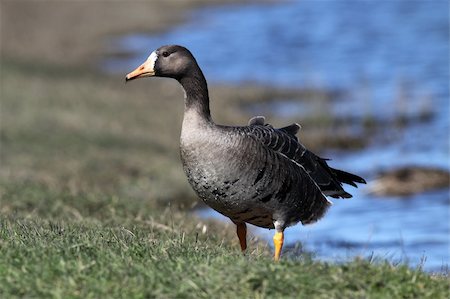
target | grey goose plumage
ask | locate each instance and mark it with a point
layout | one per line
(252, 174)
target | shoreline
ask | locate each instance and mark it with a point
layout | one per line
(75, 33)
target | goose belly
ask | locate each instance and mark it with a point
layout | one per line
(241, 186)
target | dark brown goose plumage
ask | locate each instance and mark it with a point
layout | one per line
(252, 174)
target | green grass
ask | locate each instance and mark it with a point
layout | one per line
(56, 245)
(94, 203)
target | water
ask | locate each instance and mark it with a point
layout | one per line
(383, 54)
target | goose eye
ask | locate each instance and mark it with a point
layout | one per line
(165, 54)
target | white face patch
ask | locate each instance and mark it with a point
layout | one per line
(152, 59)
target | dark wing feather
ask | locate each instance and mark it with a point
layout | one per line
(285, 141)
(291, 130)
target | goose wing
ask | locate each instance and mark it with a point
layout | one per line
(285, 141)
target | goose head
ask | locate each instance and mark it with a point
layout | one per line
(167, 61)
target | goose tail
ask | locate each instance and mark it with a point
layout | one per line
(348, 178)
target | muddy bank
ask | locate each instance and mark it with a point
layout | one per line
(73, 32)
(409, 180)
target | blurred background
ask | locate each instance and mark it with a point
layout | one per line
(368, 81)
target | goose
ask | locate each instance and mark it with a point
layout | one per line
(253, 174)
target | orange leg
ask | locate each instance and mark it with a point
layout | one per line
(241, 230)
(278, 239)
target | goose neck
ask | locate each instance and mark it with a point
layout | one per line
(196, 100)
